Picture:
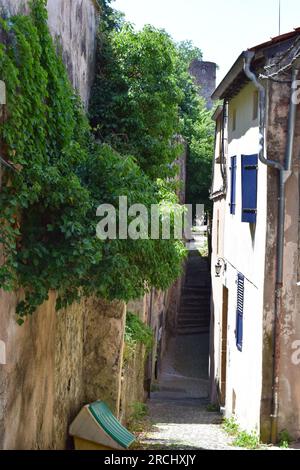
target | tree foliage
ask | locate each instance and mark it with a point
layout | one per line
(136, 96)
(199, 162)
(61, 175)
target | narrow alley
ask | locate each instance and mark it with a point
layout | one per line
(179, 409)
(149, 229)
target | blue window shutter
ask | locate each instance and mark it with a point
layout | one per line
(233, 186)
(240, 311)
(249, 188)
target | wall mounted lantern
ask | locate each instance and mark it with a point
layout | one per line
(218, 267)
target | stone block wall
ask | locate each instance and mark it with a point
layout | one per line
(205, 77)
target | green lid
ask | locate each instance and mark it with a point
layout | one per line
(110, 424)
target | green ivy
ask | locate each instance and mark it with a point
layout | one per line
(61, 175)
(137, 332)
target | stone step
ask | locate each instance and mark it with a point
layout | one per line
(200, 308)
(192, 331)
(197, 292)
(195, 300)
(193, 326)
(193, 318)
(196, 295)
(190, 290)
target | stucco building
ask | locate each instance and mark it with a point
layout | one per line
(255, 360)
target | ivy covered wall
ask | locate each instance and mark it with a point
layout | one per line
(42, 384)
(74, 23)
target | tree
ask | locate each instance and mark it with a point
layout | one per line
(136, 96)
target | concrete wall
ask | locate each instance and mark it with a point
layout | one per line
(74, 24)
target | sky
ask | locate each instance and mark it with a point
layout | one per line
(222, 29)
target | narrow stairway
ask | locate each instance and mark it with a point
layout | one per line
(194, 314)
(178, 406)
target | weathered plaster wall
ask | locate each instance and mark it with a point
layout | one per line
(244, 250)
(103, 351)
(159, 310)
(133, 383)
(217, 242)
(74, 24)
(289, 324)
(69, 386)
(57, 362)
(27, 379)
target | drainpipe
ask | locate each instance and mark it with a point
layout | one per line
(284, 175)
(223, 156)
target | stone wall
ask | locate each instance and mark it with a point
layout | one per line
(159, 310)
(205, 76)
(74, 24)
(56, 363)
(103, 351)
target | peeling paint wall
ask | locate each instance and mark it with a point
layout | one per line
(289, 325)
(252, 252)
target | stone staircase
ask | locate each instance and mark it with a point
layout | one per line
(194, 313)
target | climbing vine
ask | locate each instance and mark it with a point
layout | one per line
(137, 332)
(58, 175)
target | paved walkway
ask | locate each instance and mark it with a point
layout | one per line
(179, 407)
(178, 410)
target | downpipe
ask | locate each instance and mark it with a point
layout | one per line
(284, 175)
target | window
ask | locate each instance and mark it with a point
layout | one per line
(249, 188)
(240, 312)
(233, 185)
(255, 105)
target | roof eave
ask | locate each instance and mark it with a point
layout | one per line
(236, 69)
